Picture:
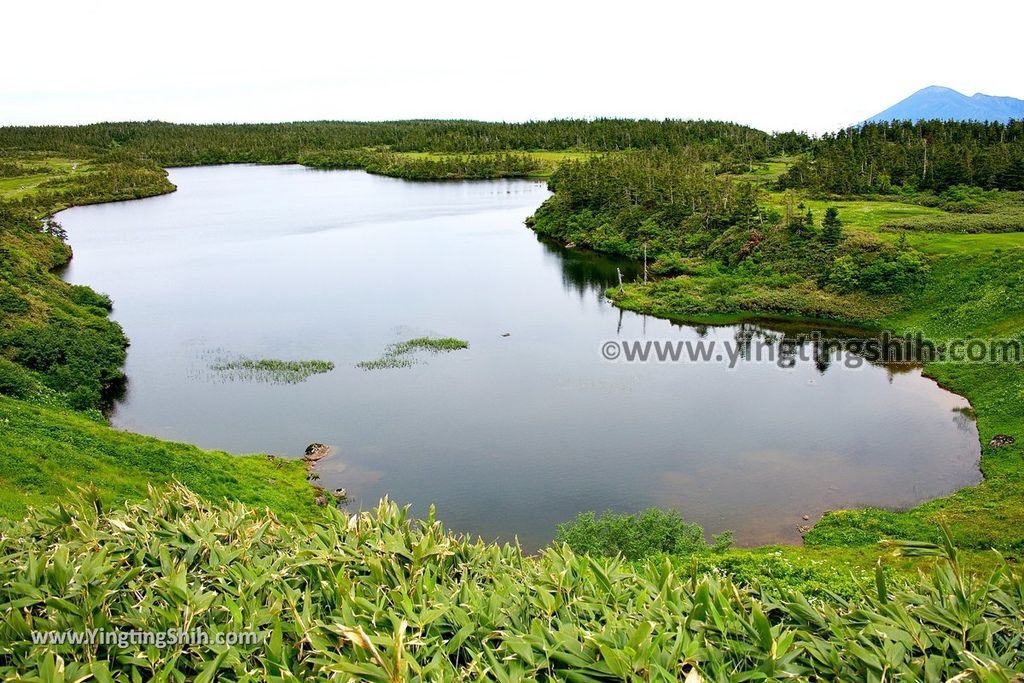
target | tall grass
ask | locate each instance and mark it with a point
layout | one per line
(378, 596)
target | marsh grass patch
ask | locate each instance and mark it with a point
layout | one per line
(269, 370)
(402, 354)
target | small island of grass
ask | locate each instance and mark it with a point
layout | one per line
(399, 355)
(271, 370)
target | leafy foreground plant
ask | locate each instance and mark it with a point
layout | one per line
(270, 370)
(381, 597)
(400, 355)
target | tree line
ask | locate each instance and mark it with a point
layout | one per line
(441, 167)
(182, 144)
(875, 158)
(880, 158)
(675, 210)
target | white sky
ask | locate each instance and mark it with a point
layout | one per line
(812, 66)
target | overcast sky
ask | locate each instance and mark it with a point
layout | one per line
(811, 66)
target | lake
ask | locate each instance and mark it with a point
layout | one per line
(528, 426)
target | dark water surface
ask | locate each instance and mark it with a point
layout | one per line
(518, 432)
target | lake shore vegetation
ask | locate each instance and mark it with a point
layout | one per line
(402, 354)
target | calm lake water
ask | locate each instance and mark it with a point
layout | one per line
(515, 434)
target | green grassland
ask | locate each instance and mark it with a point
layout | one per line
(765, 172)
(42, 169)
(885, 217)
(49, 452)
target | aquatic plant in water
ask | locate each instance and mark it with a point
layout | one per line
(400, 355)
(270, 370)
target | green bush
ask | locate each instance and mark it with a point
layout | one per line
(965, 198)
(74, 359)
(876, 269)
(637, 536)
(674, 263)
(11, 302)
(14, 381)
(86, 296)
(13, 170)
(843, 275)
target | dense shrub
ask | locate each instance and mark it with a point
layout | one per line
(14, 381)
(86, 296)
(893, 273)
(11, 302)
(72, 358)
(965, 198)
(674, 263)
(876, 268)
(637, 536)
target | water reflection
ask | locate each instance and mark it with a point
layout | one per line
(588, 273)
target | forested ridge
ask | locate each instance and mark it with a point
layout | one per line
(181, 144)
(869, 158)
(675, 206)
(876, 158)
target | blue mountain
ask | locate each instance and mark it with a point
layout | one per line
(936, 102)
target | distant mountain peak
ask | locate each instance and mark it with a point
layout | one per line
(940, 102)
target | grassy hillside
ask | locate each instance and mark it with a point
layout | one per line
(48, 452)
